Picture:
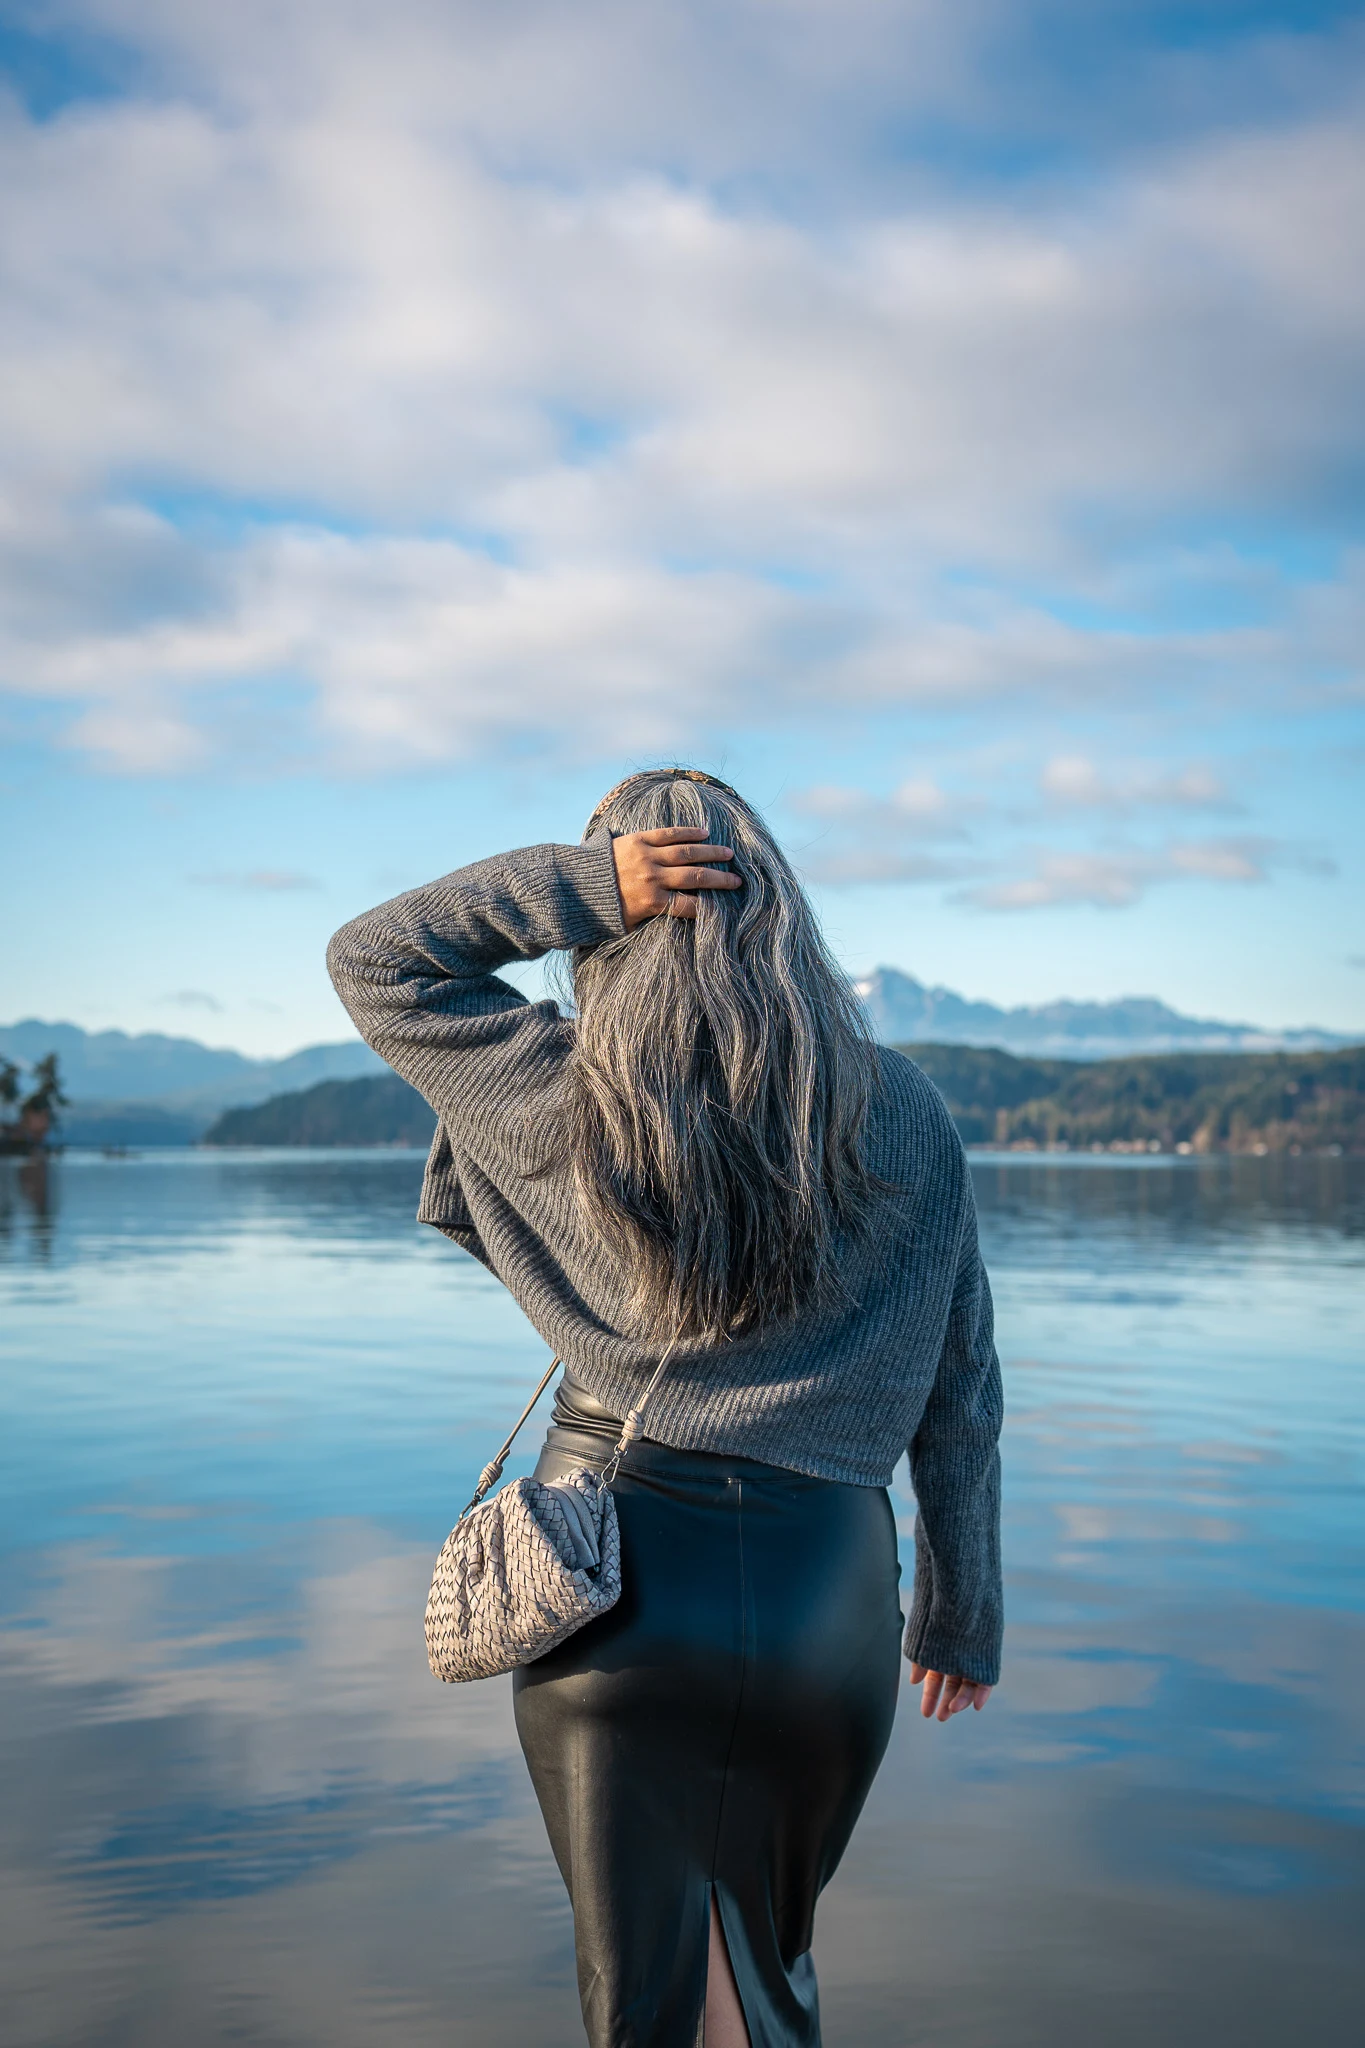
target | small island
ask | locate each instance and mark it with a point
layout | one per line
(31, 1126)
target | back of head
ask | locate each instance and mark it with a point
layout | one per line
(718, 1090)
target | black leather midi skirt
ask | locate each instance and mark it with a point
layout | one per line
(715, 1734)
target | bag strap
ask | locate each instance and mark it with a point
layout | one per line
(492, 1472)
(632, 1429)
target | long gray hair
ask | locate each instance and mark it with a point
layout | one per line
(715, 1101)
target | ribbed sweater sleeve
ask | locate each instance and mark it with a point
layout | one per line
(418, 974)
(957, 1610)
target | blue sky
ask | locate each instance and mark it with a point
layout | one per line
(945, 420)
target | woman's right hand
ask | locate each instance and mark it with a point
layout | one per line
(663, 870)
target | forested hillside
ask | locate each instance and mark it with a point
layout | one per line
(1203, 1102)
(1197, 1102)
(379, 1111)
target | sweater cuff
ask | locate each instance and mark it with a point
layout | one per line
(936, 1650)
(594, 876)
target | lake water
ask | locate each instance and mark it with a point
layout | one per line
(244, 1396)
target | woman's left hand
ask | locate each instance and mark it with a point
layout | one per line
(945, 1694)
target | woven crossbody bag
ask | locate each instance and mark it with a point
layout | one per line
(508, 1585)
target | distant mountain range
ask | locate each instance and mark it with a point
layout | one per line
(903, 1011)
(176, 1073)
(148, 1089)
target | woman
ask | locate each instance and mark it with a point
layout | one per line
(714, 1170)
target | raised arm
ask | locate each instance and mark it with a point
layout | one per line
(956, 1615)
(418, 975)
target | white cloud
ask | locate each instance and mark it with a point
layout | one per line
(882, 839)
(917, 805)
(843, 865)
(1221, 860)
(969, 833)
(416, 649)
(194, 999)
(137, 737)
(1113, 880)
(1110, 881)
(273, 881)
(381, 356)
(1075, 782)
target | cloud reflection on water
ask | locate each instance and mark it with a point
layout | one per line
(235, 1806)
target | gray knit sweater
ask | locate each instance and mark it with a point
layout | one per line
(903, 1360)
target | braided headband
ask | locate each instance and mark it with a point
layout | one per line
(660, 775)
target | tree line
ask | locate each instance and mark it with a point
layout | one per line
(1168, 1102)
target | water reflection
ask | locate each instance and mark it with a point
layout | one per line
(243, 1397)
(27, 1202)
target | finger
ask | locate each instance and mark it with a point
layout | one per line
(698, 878)
(917, 1672)
(680, 904)
(983, 1693)
(670, 835)
(684, 852)
(953, 1700)
(933, 1686)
